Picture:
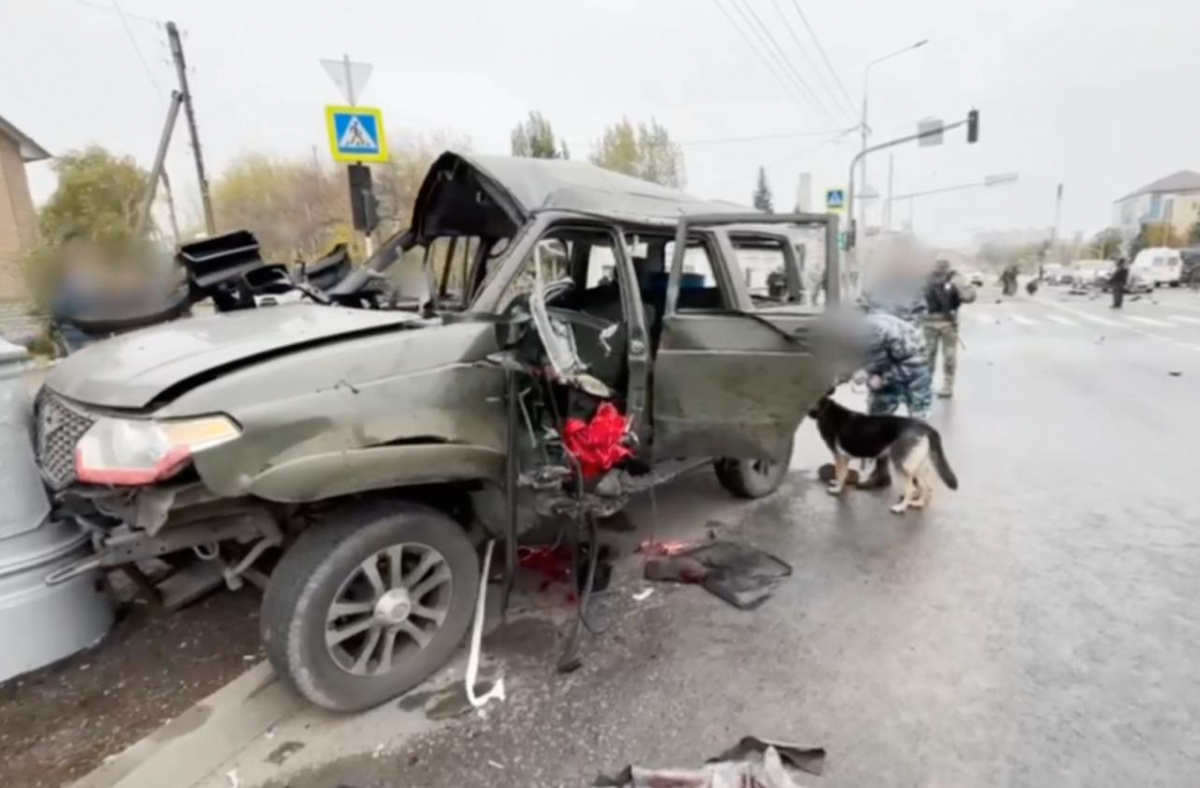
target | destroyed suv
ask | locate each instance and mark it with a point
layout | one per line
(360, 456)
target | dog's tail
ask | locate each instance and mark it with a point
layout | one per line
(939, 460)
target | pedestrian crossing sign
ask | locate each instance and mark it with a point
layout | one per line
(356, 134)
(835, 200)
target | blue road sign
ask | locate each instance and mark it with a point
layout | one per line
(356, 134)
(835, 199)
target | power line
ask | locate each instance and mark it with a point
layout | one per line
(764, 137)
(795, 94)
(834, 139)
(137, 49)
(807, 57)
(110, 9)
(782, 55)
(825, 57)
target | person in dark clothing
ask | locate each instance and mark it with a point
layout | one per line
(945, 291)
(1118, 281)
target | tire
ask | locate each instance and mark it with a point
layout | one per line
(752, 479)
(328, 563)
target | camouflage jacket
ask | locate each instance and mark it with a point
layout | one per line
(895, 348)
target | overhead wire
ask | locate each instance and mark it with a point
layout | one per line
(110, 9)
(821, 50)
(138, 50)
(767, 37)
(770, 66)
(821, 78)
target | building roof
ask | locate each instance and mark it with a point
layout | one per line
(30, 150)
(1182, 181)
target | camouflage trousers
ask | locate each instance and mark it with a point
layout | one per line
(943, 332)
(913, 388)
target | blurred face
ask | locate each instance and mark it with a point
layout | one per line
(942, 267)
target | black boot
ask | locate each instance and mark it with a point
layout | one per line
(880, 477)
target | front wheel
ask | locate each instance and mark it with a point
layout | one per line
(367, 606)
(751, 479)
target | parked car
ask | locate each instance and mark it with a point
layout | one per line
(1159, 266)
(1056, 274)
(362, 444)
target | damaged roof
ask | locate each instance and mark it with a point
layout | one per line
(524, 186)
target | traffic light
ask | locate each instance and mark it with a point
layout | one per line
(973, 126)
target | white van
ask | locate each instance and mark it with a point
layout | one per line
(1158, 266)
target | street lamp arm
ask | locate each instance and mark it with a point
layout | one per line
(960, 187)
(881, 146)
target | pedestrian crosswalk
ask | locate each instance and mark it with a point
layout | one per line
(1029, 318)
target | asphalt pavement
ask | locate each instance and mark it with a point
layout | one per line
(1038, 627)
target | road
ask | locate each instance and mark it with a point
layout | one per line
(1036, 628)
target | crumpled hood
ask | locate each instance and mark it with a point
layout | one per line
(131, 370)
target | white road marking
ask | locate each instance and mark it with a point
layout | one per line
(1066, 321)
(1186, 319)
(1104, 321)
(1017, 318)
(1125, 326)
(1149, 321)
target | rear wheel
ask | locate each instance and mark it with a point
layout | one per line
(752, 479)
(366, 607)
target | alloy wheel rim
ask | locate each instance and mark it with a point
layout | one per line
(389, 608)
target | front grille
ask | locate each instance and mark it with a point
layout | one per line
(58, 428)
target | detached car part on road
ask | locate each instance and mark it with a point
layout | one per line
(363, 443)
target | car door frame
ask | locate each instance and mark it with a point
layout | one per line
(708, 367)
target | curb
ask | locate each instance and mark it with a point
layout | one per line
(187, 750)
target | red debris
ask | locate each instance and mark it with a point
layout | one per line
(598, 445)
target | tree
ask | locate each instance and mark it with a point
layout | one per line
(93, 212)
(646, 152)
(1106, 245)
(762, 193)
(1154, 234)
(1193, 236)
(534, 138)
(297, 208)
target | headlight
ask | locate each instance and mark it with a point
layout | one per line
(135, 452)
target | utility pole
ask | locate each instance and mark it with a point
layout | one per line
(166, 182)
(887, 216)
(1057, 218)
(181, 70)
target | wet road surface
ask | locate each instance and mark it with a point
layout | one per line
(1039, 627)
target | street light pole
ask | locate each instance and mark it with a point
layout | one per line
(862, 126)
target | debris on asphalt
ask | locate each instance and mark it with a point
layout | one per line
(1101, 339)
(496, 765)
(674, 569)
(232, 776)
(284, 751)
(656, 548)
(806, 759)
(1175, 373)
(740, 574)
(643, 595)
(751, 763)
(496, 692)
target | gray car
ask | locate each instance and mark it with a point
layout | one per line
(361, 454)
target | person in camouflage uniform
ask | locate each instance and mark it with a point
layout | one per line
(897, 374)
(897, 367)
(945, 292)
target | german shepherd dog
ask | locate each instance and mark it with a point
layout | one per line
(911, 444)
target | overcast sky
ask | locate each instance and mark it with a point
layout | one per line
(1097, 94)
